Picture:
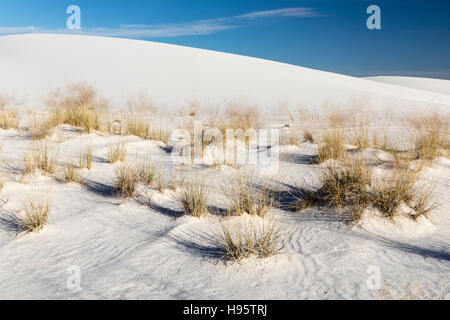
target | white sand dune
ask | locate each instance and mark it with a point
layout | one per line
(174, 75)
(433, 85)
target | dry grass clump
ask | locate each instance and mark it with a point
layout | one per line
(141, 103)
(353, 186)
(331, 145)
(308, 137)
(247, 196)
(400, 187)
(8, 119)
(290, 137)
(242, 116)
(86, 158)
(432, 136)
(361, 137)
(160, 184)
(360, 130)
(41, 127)
(194, 198)
(146, 172)
(117, 152)
(72, 173)
(35, 213)
(78, 106)
(159, 134)
(42, 157)
(261, 239)
(136, 123)
(238, 115)
(382, 140)
(126, 180)
(177, 183)
(137, 126)
(345, 185)
(128, 176)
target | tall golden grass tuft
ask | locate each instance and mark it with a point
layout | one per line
(331, 145)
(247, 196)
(432, 136)
(238, 115)
(126, 180)
(400, 187)
(72, 173)
(42, 156)
(9, 119)
(86, 157)
(117, 152)
(342, 184)
(346, 185)
(194, 198)
(40, 126)
(78, 106)
(136, 125)
(35, 213)
(146, 172)
(261, 239)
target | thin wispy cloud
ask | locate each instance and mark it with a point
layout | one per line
(286, 12)
(192, 28)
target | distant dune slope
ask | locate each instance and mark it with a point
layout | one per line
(428, 84)
(174, 75)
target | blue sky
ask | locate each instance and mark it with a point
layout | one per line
(321, 34)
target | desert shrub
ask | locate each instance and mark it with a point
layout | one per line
(159, 133)
(117, 152)
(383, 141)
(361, 137)
(146, 172)
(9, 119)
(78, 105)
(160, 184)
(237, 115)
(308, 137)
(342, 184)
(423, 201)
(35, 213)
(352, 185)
(260, 239)
(137, 126)
(290, 137)
(72, 173)
(242, 116)
(42, 156)
(432, 136)
(247, 196)
(126, 180)
(194, 198)
(400, 187)
(86, 157)
(41, 128)
(331, 145)
(177, 182)
(345, 185)
(360, 130)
